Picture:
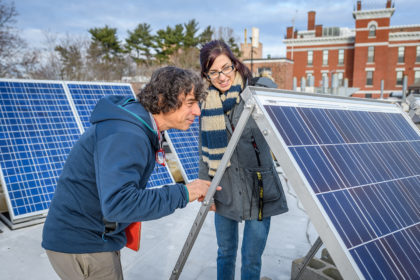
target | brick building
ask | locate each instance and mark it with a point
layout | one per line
(362, 57)
(280, 70)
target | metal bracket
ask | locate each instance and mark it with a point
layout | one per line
(202, 213)
(308, 257)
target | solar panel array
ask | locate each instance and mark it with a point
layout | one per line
(37, 131)
(86, 95)
(185, 145)
(363, 169)
(39, 123)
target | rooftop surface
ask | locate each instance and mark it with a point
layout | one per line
(291, 236)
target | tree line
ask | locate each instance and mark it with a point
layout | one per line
(103, 56)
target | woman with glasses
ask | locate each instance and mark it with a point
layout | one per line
(251, 189)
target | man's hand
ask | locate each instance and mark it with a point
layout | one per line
(197, 189)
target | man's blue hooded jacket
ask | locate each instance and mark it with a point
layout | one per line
(104, 177)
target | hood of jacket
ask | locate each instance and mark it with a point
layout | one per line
(123, 108)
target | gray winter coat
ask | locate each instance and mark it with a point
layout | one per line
(238, 200)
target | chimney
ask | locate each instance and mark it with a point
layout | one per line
(311, 20)
(255, 37)
(245, 37)
(318, 30)
(359, 5)
(388, 4)
(295, 34)
(289, 33)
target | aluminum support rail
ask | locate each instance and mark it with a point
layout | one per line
(204, 209)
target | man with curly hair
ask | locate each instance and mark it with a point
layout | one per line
(102, 188)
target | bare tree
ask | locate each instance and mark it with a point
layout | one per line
(11, 45)
(48, 66)
(72, 53)
(187, 58)
(227, 35)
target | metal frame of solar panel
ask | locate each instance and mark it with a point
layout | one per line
(37, 130)
(85, 95)
(184, 144)
(355, 166)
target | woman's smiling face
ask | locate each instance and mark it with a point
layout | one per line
(222, 81)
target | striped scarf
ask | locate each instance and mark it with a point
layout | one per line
(214, 138)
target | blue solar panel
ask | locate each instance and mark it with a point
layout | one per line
(363, 168)
(185, 145)
(37, 131)
(85, 95)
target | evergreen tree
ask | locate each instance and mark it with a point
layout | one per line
(205, 36)
(168, 42)
(139, 44)
(105, 55)
(190, 40)
(105, 41)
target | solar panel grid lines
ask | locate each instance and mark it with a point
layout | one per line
(362, 167)
(184, 144)
(39, 123)
(85, 95)
(37, 130)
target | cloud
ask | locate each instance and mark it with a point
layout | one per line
(270, 16)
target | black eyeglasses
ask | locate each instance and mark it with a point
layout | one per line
(215, 74)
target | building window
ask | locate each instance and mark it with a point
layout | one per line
(399, 78)
(324, 79)
(372, 31)
(341, 57)
(340, 78)
(371, 54)
(400, 54)
(417, 77)
(369, 78)
(310, 80)
(325, 57)
(310, 57)
(330, 31)
(418, 54)
(264, 71)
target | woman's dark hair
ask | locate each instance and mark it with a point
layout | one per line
(161, 93)
(210, 51)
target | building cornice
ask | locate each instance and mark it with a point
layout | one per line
(404, 36)
(320, 49)
(371, 14)
(267, 60)
(404, 26)
(319, 41)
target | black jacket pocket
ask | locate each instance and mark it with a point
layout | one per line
(269, 180)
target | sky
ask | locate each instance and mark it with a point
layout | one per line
(60, 18)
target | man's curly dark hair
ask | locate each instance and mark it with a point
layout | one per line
(161, 93)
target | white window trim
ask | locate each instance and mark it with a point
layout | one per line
(376, 28)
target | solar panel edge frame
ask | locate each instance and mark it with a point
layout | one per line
(344, 262)
(178, 161)
(73, 108)
(31, 218)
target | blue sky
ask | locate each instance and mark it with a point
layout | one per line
(75, 17)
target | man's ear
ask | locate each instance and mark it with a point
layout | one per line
(161, 100)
